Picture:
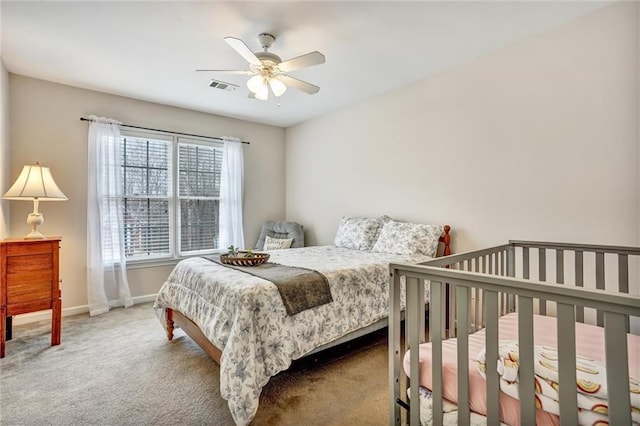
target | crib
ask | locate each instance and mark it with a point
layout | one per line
(574, 283)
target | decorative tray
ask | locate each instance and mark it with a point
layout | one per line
(241, 259)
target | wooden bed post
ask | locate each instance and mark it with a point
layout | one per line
(169, 319)
(446, 239)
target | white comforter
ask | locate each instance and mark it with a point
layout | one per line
(244, 316)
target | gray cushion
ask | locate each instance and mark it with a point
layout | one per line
(276, 229)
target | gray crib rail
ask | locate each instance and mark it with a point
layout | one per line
(471, 290)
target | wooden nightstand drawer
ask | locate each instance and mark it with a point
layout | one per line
(29, 286)
(28, 249)
(29, 263)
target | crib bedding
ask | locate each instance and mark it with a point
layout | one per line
(244, 316)
(589, 343)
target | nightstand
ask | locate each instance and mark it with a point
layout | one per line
(29, 282)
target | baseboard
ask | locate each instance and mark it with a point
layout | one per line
(74, 310)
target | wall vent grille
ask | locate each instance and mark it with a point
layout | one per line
(222, 85)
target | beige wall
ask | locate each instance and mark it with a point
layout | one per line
(46, 127)
(538, 140)
(4, 149)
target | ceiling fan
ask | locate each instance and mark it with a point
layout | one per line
(269, 71)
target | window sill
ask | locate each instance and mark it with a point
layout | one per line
(154, 263)
(137, 264)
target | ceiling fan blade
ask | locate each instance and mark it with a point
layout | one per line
(238, 72)
(308, 60)
(244, 51)
(298, 84)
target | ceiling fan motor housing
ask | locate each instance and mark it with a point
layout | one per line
(268, 58)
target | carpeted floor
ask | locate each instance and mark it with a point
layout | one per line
(119, 369)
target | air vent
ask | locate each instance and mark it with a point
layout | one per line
(222, 85)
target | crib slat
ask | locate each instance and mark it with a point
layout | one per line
(394, 347)
(579, 269)
(463, 355)
(567, 365)
(451, 322)
(615, 338)
(542, 276)
(493, 385)
(491, 258)
(623, 273)
(525, 340)
(478, 292)
(511, 272)
(623, 278)
(435, 326)
(412, 309)
(421, 312)
(476, 307)
(525, 263)
(600, 282)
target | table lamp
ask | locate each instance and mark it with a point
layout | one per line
(35, 183)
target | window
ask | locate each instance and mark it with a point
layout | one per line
(171, 196)
(200, 167)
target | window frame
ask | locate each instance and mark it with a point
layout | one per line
(175, 253)
(178, 198)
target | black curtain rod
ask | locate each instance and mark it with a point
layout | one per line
(166, 131)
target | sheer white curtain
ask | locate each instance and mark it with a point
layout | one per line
(107, 283)
(231, 188)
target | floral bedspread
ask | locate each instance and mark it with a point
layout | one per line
(244, 316)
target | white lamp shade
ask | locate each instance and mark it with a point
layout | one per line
(258, 85)
(277, 86)
(35, 182)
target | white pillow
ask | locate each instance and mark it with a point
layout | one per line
(408, 238)
(359, 233)
(271, 243)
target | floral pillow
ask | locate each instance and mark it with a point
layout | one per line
(271, 243)
(408, 238)
(359, 233)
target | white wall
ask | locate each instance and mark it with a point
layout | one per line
(46, 127)
(4, 149)
(538, 140)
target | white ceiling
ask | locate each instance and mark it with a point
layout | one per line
(149, 50)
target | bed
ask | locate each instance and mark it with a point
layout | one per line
(240, 319)
(493, 337)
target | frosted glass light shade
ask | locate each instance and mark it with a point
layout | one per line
(258, 85)
(277, 86)
(35, 181)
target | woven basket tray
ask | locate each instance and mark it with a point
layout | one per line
(241, 260)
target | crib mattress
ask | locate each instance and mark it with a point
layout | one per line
(589, 342)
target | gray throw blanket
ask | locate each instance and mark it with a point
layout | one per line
(300, 288)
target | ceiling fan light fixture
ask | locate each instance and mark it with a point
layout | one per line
(277, 87)
(268, 69)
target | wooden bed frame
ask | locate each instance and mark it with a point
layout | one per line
(498, 276)
(177, 319)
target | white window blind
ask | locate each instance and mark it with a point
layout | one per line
(146, 179)
(199, 193)
(170, 188)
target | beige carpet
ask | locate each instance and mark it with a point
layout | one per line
(119, 369)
